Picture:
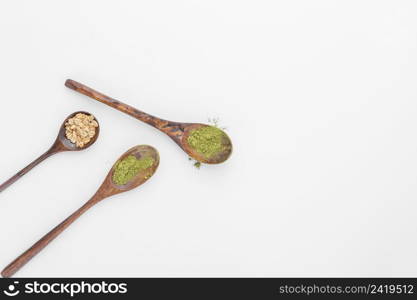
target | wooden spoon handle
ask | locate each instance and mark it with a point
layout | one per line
(127, 109)
(19, 262)
(25, 170)
(174, 130)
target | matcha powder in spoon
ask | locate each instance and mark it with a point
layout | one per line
(129, 167)
(207, 140)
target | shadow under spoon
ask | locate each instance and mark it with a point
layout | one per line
(177, 131)
(108, 188)
(61, 144)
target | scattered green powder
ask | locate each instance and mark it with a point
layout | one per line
(129, 167)
(207, 140)
(197, 164)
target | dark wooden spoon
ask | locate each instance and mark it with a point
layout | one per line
(108, 188)
(179, 132)
(61, 144)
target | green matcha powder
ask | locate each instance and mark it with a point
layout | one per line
(129, 167)
(207, 140)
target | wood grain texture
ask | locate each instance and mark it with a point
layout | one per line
(107, 189)
(174, 130)
(177, 131)
(61, 144)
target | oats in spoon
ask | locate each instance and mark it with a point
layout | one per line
(80, 129)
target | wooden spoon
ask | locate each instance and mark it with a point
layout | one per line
(61, 144)
(179, 132)
(108, 188)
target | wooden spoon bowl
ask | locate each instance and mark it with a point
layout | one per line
(110, 188)
(177, 131)
(219, 157)
(61, 144)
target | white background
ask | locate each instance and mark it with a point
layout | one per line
(319, 97)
